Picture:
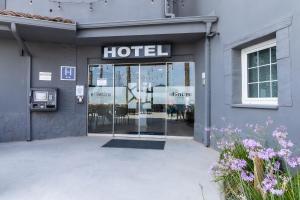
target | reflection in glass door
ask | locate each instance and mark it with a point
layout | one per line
(181, 99)
(126, 99)
(153, 100)
(100, 96)
(140, 100)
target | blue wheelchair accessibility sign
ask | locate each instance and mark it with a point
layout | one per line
(68, 73)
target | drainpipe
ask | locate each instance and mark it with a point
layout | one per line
(24, 49)
(168, 5)
(207, 111)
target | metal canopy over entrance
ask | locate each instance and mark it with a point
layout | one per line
(142, 99)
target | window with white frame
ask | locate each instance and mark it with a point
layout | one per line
(259, 74)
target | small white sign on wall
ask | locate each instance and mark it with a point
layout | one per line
(45, 76)
(79, 90)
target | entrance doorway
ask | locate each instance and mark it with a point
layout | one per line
(141, 99)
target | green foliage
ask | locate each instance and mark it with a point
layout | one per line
(240, 152)
(234, 187)
(250, 169)
(293, 189)
(237, 189)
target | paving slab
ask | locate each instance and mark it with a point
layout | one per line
(77, 168)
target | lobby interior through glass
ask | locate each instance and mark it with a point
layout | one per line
(142, 99)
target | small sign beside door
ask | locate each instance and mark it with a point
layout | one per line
(68, 73)
(79, 90)
(45, 76)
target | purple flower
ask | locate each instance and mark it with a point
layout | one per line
(266, 154)
(285, 143)
(251, 144)
(292, 162)
(269, 183)
(237, 164)
(247, 176)
(285, 153)
(277, 192)
(224, 144)
(281, 134)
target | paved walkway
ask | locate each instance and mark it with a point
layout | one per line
(79, 169)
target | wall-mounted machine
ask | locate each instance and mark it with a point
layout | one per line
(43, 99)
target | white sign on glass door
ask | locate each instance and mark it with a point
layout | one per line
(101, 82)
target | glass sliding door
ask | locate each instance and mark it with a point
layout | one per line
(142, 99)
(126, 99)
(181, 98)
(153, 80)
(100, 97)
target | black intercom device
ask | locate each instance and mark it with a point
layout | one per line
(43, 99)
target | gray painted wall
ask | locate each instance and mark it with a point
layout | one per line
(70, 119)
(242, 20)
(2, 4)
(184, 8)
(13, 92)
(199, 91)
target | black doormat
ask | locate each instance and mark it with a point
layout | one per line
(145, 133)
(136, 144)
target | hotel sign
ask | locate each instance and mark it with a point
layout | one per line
(136, 51)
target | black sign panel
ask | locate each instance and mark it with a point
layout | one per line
(136, 51)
